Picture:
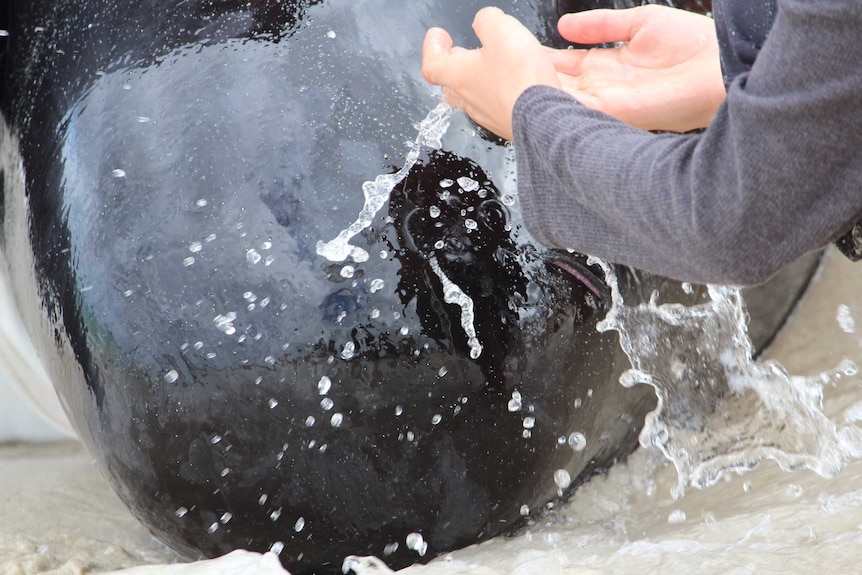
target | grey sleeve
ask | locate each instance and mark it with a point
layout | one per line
(777, 173)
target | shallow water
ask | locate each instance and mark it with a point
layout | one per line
(762, 521)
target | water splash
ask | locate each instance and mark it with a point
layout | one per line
(376, 192)
(718, 409)
(454, 294)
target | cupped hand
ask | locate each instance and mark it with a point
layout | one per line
(666, 75)
(486, 82)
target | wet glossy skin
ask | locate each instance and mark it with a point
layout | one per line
(181, 161)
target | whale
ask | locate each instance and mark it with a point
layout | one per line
(257, 351)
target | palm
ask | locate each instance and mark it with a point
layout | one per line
(666, 76)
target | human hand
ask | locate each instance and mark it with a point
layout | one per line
(486, 82)
(666, 77)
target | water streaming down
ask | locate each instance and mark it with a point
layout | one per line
(453, 294)
(718, 409)
(377, 192)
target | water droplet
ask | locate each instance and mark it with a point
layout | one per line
(336, 419)
(508, 200)
(515, 403)
(128, 293)
(227, 516)
(324, 385)
(468, 184)
(442, 371)
(199, 344)
(225, 472)
(446, 183)
(577, 441)
(330, 34)
(213, 528)
(270, 360)
(562, 478)
(374, 314)
(470, 224)
(4, 33)
(434, 211)
(210, 238)
(417, 543)
(277, 547)
(143, 119)
(525, 510)
(172, 376)
(348, 351)
(189, 261)
(252, 256)
(529, 422)
(309, 421)
(181, 512)
(436, 419)
(347, 271)
(195, 247)
(262, 499)
(215, 439)
(225, 323)
(326, 404)
(398, 410)
(275, 514)
(266, 245)
(376, 285)
(390, 549)
(272, 403)
(118, 173)
(299, 525)
(845, 319)
(201, 203)
(405, 330)
(676, 517)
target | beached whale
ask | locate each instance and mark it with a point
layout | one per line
(172, 174)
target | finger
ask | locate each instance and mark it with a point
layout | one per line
(435, 52)
(493, 26)
(487, 20)
(566, 61)
(600, 26)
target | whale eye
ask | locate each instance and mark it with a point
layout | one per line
(493, 214)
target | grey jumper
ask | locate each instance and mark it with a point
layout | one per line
(777, 173)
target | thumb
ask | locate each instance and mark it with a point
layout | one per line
(435, 54)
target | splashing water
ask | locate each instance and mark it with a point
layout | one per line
(719, 410)
(453, 294)
(376, 192)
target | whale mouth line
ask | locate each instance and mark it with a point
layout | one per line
(590, 280)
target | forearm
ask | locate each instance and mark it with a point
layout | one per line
(776, 174)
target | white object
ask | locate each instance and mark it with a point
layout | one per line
(25, 389)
